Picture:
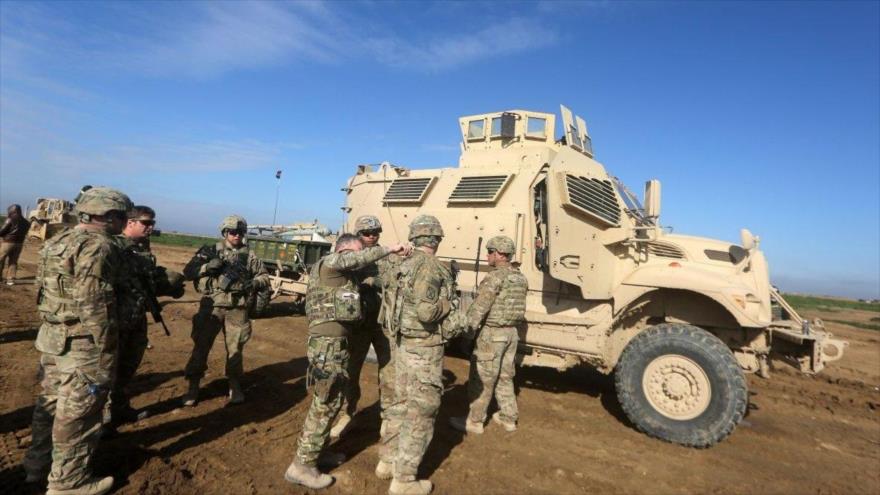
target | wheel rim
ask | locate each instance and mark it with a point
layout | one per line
(676, 387)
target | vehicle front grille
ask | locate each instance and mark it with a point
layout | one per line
(665, 251)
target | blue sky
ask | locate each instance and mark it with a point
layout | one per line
(756, 114)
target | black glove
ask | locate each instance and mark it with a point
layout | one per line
(214, 267)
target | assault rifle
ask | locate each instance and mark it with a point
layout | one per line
(236, 271)
(156, 310)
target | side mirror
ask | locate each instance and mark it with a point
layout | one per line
(652, 199)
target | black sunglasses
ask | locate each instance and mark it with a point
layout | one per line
(239, 233)
(370, 233)
(147, 223)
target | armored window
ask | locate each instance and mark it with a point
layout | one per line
(408, 190)
(482, 189)
(496, 127)
(536, 127)
(595, 197)
(575, 138)
(476, 129)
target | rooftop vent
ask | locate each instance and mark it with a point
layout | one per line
(408, 190)
(482, 189)
(595, 197)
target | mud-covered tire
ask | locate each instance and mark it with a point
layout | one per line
(663, 378)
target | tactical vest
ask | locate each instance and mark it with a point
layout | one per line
(235, 295)
(55, 277)
(332, 298)
(509, 308)
(409, 323)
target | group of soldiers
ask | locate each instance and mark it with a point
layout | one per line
(98, 280)
(404, 302)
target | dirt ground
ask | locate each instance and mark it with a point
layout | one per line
(803, 434)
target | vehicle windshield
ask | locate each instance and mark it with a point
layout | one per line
(632, 204)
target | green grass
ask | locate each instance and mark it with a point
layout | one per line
(858, 324)
(176, 239)
(827, 304)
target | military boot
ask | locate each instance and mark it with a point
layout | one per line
(191, 397)
(307, 476)
(508, 426)
(93, 486)
(236, 396)
(413, 487)
(466, 425)
(384, 470)
(341, 425)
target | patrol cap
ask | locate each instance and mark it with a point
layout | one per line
(423, 225)
(233, 222)
(502, 244)
(367, 223)
(100, 200)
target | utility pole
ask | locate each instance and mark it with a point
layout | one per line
(277, 190)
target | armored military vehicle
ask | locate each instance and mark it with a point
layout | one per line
(677, 319)
(49, 216)
(288, 262)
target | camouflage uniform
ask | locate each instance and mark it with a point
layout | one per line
(499, 307)
(333, 307)
(424, 292)
(221, 309)
(78, 276)
(143, 278)
(371, 331)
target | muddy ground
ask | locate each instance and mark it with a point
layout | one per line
(802, 434)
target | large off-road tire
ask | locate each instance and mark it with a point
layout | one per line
(681, 384)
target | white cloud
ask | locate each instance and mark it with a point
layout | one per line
(447, 51)
(228, 36)
(206, 40)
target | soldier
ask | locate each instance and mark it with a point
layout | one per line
(145, 280)
(333, 307)
(230, 273)
(12, 235)
(425, 295)
(78, 276)
(499, 308)
(370, 330)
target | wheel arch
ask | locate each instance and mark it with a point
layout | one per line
(641, 309)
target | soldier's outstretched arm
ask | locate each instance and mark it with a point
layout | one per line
(348, 261)
(93, 292)
(486, 294)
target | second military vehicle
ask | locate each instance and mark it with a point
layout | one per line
(288, 262)
(677, 319)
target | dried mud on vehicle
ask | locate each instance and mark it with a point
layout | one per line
(801, 434)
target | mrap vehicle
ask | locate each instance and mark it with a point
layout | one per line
(677, 319)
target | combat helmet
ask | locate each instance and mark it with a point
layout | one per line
(100, 200)
(367, 222)
(233, 222)
(502, 244)
(425, 225)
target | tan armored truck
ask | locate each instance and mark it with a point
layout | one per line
(49, 217)
(677, 319)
